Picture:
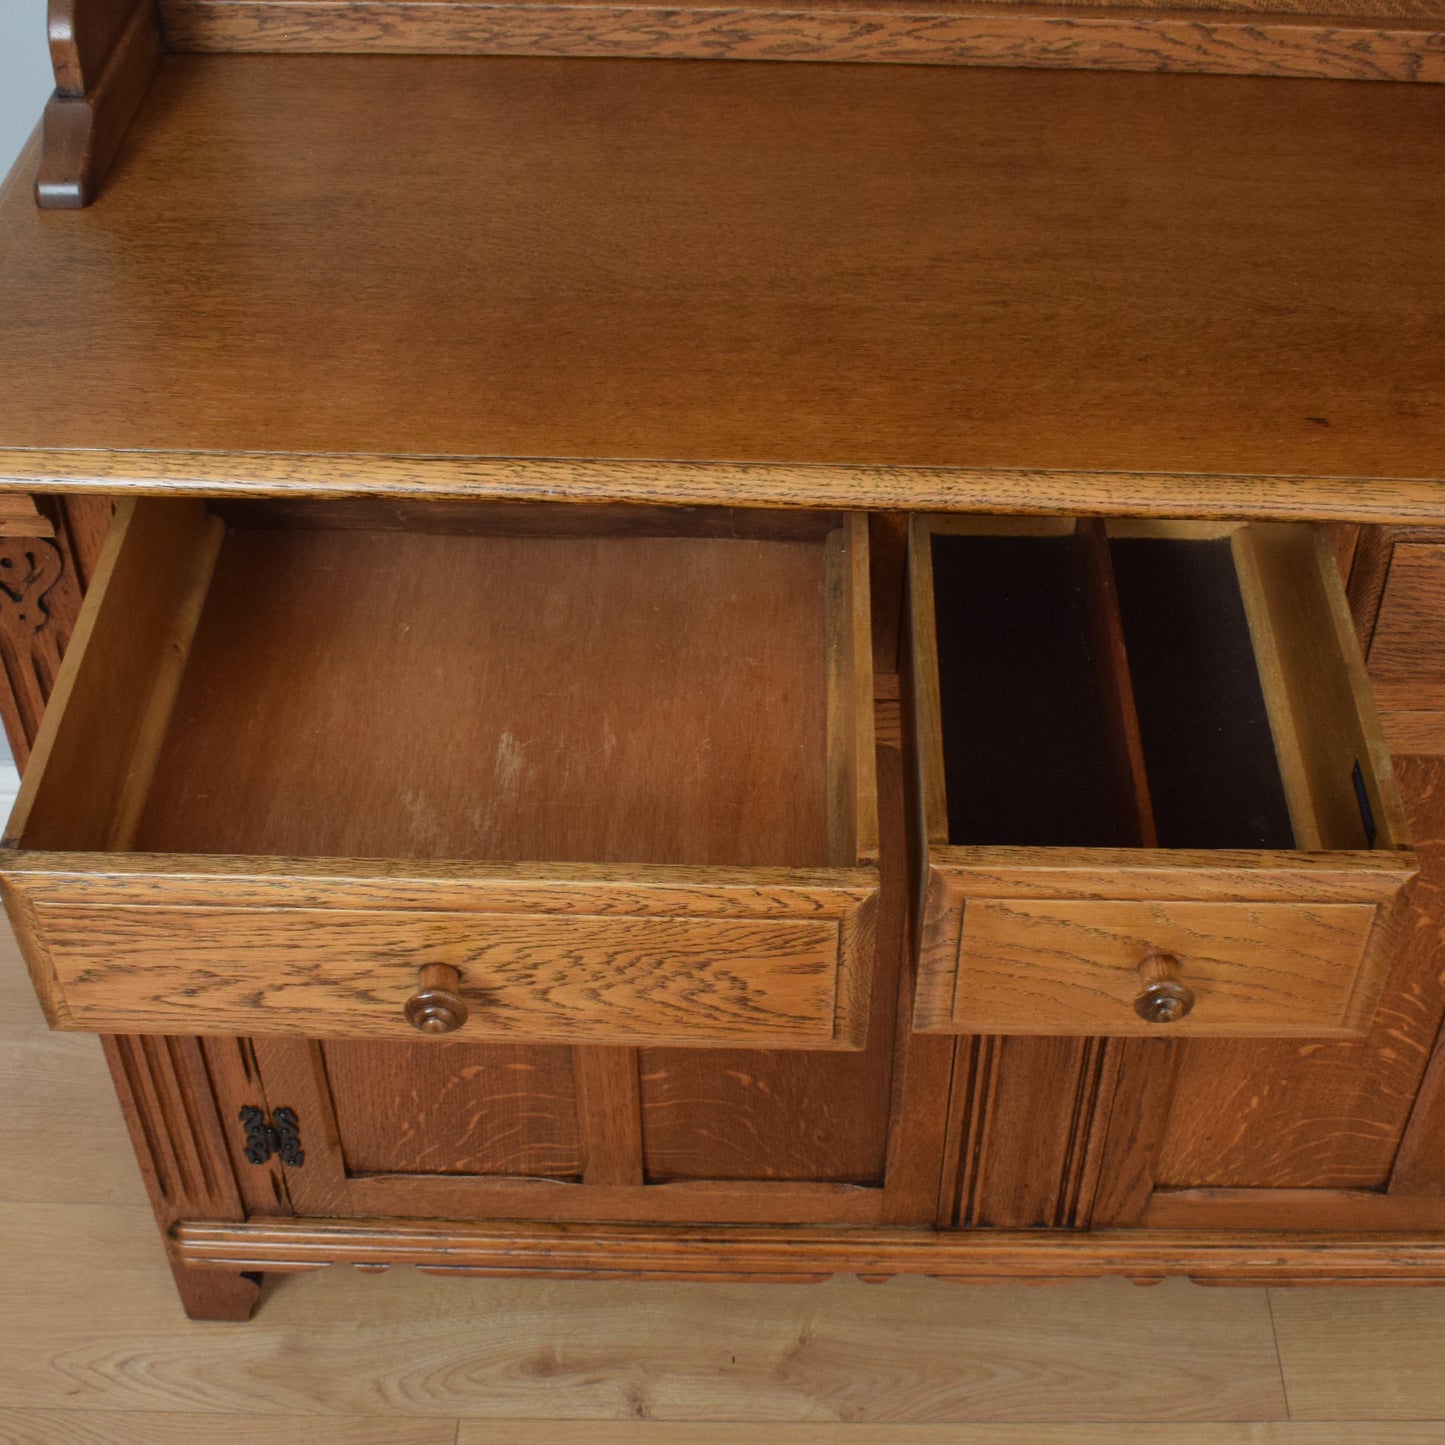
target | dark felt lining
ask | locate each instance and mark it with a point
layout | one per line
(1024, 742)
(1208, 748)
(1024, 747)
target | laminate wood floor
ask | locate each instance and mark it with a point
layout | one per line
(94, 1349)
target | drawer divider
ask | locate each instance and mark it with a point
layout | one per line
(1116, 685)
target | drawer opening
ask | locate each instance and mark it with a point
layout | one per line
(489, 683)
(1142, 684)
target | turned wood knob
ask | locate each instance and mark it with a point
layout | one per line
(1165, 998)
(437, 1006)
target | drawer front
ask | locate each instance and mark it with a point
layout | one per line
(1407, 651)
(548, 963)
(1073, 966)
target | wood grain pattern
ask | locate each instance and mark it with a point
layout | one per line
(1348, 1363)
(722, 1135)
(979, 310)
(1011, 490)
(591, 1432)
(1323, 1115)
(1111, 658)
(609, 1115)
(1406, 652)
(570, 734)
(159, 1427)
(330, 974)
(1072, 37)
(1367, 1211)
(637, 1251)
(113, 691)
(1006, 932)
(1072, 966)
(1052, 1091)
(409, 1348)
(498, 1109)
(179, 1142)
(1328, 706)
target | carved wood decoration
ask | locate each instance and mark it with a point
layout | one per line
(105, 53)
(1336, 40)
(40, 596)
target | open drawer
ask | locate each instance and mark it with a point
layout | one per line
(1151, 789)
(533, 773)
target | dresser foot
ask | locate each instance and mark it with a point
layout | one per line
(217, 1294)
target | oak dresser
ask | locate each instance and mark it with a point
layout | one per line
(739, 642)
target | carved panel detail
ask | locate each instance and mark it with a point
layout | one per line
(39, 600)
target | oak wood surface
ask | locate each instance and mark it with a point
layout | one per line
(675, 1134)
(79, 1427)
(1111, 658)
(40, 591)
(1327, 1115)
(809, 1253)
(919, 334)
(1006, 932)
(97, 1353)
(797, 1115)
(1334, 1354)
(570, 733)
(1407, 654)
(1384, 42)
(330, 974)
(624, 700)
(501, 1109)
(1072, 966)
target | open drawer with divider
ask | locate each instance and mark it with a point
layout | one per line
(1151, 790)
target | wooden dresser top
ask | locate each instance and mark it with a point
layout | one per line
(678, 280)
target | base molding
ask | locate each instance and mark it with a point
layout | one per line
(809, 1253)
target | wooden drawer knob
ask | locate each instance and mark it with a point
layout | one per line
(437, 1006)
(1166, 998)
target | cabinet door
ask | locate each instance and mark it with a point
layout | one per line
(453, 1130)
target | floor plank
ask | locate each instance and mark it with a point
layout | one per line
(105, 1427)
(62, 1136)
(1363, 1354)
(102, 1331)
(554, 1432)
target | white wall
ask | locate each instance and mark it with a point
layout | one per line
(25, 78)
(25, 86)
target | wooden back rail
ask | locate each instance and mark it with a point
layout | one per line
(1335, 38)
(106, 52)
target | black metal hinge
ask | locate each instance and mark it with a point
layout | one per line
(282, 1136)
